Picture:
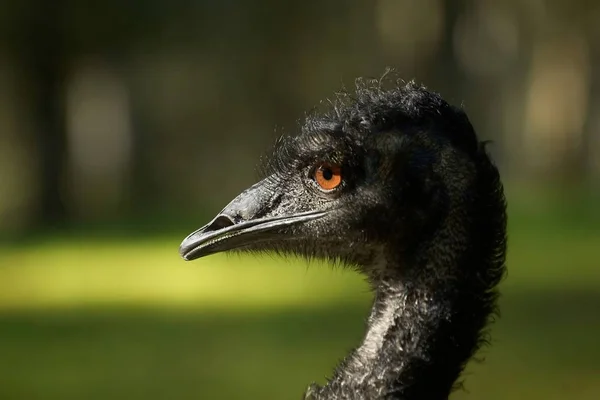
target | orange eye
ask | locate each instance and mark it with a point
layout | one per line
(328, 176)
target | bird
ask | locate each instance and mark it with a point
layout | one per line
(392, 181)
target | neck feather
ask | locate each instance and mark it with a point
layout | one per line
(417, 342)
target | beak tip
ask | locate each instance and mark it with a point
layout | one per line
(187, 251)
(183, 253)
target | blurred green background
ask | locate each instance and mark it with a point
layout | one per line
(125, 125)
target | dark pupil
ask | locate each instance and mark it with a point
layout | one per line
(327, 173)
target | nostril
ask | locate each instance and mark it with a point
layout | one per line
(222, 221)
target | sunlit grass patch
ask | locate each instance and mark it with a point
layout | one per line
(76, 273)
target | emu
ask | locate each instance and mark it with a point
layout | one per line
(394, 182)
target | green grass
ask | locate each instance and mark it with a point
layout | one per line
(115, 319)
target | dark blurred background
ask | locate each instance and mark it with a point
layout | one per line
(124, 125)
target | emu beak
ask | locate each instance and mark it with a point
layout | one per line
(246, 220)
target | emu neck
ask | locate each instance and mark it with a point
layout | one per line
(424, 325)
(414, 348)
(409, 349)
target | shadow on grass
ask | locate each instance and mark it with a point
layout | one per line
(544, 346)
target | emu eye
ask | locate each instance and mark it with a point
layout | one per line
(328, 176)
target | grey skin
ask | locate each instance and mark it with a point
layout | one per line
(420, 212)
